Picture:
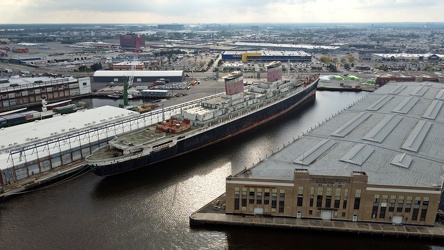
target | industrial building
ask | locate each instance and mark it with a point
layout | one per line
(139, 76)
(17, 92)
(409, 76)
(130, 41)
(380, 160)
(44, 145)
(266, 56)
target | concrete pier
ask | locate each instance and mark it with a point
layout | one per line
(212, 214)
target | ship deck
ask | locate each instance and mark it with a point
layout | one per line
(148, 134)
(139, 137)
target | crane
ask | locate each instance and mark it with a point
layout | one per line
(134, 62)
(128, 82)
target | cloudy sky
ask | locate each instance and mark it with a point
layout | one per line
(219, 11)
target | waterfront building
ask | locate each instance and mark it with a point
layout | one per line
(140, 76)
(409, 76)
(380, 160)
(44, 145)
(266, 56)
(17, 92)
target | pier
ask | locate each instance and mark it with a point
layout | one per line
(214, 215)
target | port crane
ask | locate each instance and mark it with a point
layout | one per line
(128, 83)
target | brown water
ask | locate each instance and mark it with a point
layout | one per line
(149, 208)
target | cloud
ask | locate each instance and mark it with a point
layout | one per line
(384, 4)
(219, 11)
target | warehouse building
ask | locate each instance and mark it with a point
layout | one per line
(381, 160)
(24, 91)
(266, 56)
(44, 145)
(131, 41)
(140, 76)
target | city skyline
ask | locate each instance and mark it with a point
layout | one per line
(228, 11)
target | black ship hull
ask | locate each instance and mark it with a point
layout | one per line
(211, 136)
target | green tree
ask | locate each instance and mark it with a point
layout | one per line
(96, 66)
(325, 59)
(351, 58)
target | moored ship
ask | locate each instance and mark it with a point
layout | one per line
(217, 119)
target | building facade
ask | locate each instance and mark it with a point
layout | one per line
(332, 198)
(266, 56)
(30, 91)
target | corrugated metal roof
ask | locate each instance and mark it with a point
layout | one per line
(411, 152)
(138, 73)
(57, 126)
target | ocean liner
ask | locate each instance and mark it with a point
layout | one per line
(217, 119)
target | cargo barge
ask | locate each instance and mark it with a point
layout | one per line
(217, 119)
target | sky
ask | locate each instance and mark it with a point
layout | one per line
(219, 11)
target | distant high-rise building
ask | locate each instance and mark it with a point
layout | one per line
(130, 40)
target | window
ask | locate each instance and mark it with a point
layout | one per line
(259, 196)
(274, 199)
(328, 198)
(400, 203)
(344, 204)
(375, 206)
(416, 208)
(267, 196)
(337, 197)
(425, 206)
(300, 196)
(312, 191)
(319, 197)
(408, 204)
(251, 200)
(392, 203)
(244, 197)
(281, 201)
(357, 199)
(236, 198)
(383, 206)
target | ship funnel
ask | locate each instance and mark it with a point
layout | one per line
(274, 71)
(234, 83)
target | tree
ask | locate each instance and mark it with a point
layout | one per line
(351, 58)
(332, 68)
(96, 66)
(325, 59)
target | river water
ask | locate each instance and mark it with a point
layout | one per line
(149, 208)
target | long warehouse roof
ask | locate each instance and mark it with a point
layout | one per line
(138, 73)
(395, 135)
(28, 133)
